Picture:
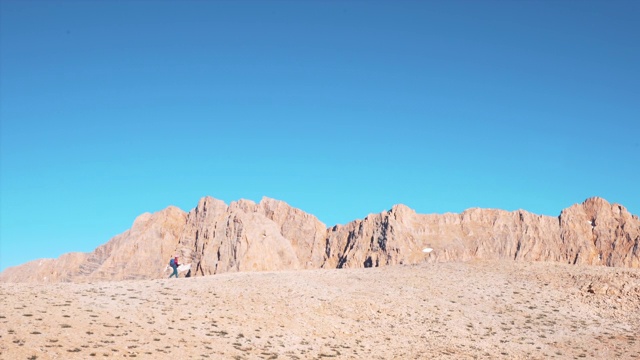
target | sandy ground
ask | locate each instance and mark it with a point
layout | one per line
(492, 310)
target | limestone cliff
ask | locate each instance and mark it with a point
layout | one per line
(594, 232)
(135, 254)
(271, 235)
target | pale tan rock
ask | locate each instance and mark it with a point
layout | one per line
(238, 237)
(598, 233)
(63, 269)
(141, 252)
(271, 235)
(397, 236)
(306, 233)
(137, 253)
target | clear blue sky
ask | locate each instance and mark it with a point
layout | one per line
(339, 108)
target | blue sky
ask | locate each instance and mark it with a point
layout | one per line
(340, 108)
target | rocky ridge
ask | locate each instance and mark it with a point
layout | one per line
(271, 235)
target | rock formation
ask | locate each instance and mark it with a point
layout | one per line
(594, 232)
(271, 235)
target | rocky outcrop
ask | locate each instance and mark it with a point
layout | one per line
(271, 235)
(139, 253)
(600, 233)
(594, 233)
(246, 236)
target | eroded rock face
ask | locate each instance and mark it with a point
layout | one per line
(594, 233)
(598, 233)
(271, 235)
(246, 236)
(138, 253)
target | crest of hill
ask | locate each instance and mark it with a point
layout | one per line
(271, 235)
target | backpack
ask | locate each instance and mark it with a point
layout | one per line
(172, 262)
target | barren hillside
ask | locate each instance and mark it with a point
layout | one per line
(456, 310)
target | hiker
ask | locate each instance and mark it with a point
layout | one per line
(174, 265)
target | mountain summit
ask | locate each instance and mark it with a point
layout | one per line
(271, 235)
